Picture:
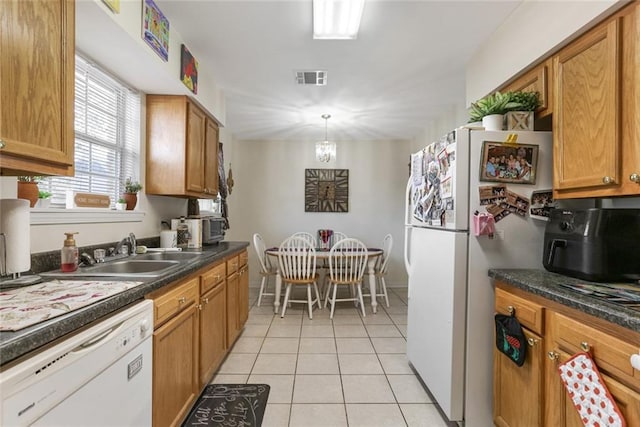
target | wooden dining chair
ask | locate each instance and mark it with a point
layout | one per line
(338, 236)
(297, 262)
(266, 269)
(347, 264)
(381, 270)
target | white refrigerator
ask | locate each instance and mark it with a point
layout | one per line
(451, 299)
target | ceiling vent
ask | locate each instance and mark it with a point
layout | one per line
(317, 78)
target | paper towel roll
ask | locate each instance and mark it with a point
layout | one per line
(15, 225)
(168, 239)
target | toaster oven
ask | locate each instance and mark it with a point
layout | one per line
(213, 229)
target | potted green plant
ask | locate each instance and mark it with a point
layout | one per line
(121, 204)
(491, 109)
(44, 199)
(131, 189)
(521, 117)
(28, 188)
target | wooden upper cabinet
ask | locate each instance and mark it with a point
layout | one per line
(211, 158)
(596, 123)
(195, 148)
(182, 148)
(587, 117)
(538, 80)
(37, 74)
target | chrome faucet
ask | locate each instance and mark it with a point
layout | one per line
(131, 243)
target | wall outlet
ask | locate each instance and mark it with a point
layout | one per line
(499, 234)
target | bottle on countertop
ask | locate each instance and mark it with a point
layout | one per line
(69, 254)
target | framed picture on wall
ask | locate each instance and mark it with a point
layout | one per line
(155, 29)
(326, 190)
(188, 69)
(510, 163)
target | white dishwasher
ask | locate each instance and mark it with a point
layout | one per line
(100, 376)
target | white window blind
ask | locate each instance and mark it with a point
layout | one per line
(107, 136)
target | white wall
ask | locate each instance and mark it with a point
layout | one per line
(532, 30)
(450, 119)
(115, 42)
(268, 197)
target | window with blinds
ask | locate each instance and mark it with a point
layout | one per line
(107, 136)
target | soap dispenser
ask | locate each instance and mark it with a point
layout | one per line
(69, 254)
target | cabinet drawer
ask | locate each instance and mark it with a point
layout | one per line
(529, 314)
(212, 277)
(609, 353)
(232, 265)
(243, 258)
(168, 304)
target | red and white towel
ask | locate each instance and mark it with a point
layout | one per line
(588, 392)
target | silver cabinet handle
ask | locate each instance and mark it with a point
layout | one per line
(607, 180)
(634, 177)
(2, 144)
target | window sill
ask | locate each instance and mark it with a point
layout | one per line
(82, 216)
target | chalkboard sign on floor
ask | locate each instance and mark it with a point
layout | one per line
(239, 405)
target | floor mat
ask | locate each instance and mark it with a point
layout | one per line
(229, 405)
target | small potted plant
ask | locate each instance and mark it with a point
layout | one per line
(28, 188)
(131, 189)
(491, 109)
(121, 204)
(44, 199)
(521, 117)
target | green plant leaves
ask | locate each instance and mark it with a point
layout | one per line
(501, 103)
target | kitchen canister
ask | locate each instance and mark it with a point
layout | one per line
(169, 239)
(15, 239)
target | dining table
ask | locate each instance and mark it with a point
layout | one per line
(323, 254)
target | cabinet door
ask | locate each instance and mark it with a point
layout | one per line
(243, 297)
(213, 331)
(627, 400)
(536, 80)
(195, 149)
(175, 368)
(37, 73)
(233, 296)
(517, 391)
(586, 123)
(211, 159)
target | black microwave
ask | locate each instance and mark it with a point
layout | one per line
(213, 230)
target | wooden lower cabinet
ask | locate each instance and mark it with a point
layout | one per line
(517, 390)
(196, 321)
(534, 395)
(233, 298)
(213, 331)
(563, 413)
(175, 368)
(243, 295)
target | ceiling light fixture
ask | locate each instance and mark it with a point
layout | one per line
(325, 150)
(337, 19)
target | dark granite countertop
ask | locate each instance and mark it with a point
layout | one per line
(549, 285)
(19, 343)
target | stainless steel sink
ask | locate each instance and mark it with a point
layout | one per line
(169, 256)
(129, 268)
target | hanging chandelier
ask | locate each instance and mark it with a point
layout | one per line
(325, 150)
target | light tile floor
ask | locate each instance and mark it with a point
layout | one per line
(349, 371)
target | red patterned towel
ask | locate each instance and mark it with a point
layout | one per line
(588, 392)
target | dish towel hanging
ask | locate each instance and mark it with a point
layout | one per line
(588, 392)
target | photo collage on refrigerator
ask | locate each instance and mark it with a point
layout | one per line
(432, 171)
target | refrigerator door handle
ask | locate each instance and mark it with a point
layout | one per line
(407, 231)
(407, 202)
